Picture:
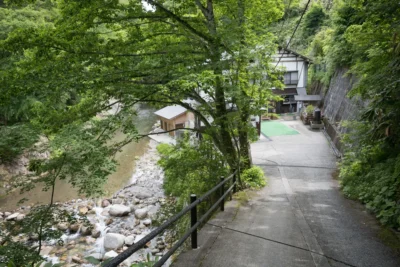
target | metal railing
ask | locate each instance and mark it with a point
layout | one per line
(194, 222)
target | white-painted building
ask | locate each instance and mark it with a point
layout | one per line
(295, 79)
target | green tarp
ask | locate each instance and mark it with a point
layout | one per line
(275, 128)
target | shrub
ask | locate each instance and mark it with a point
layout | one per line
(310, 109)
(253, 177)
(164, 149)
(371, 174)
(190, 167)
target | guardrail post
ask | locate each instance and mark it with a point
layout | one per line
(193, 220)
(222, 193)
(234, 180)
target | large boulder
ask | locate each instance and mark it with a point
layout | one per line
(113, 241)
(141, 213)
(119, 210)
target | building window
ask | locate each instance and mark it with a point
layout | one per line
(291, 78)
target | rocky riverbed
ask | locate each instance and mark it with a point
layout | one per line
(114, 223)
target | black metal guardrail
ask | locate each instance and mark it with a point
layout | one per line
(194, 222)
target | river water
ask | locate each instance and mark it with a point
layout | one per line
(144, 120)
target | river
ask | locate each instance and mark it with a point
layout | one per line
(144, 120)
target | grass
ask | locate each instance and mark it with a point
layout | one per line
(275, 128)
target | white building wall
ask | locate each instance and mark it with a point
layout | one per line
(293, 62)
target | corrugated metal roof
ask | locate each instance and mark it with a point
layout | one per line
(170, 112)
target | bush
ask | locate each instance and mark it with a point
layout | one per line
(190, 167)
(371, 174)
(310, 109)
(253, 177)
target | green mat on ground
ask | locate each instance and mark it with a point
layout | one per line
(275, 128)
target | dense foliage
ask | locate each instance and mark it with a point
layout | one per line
(14, 140)
(190, 167)
(253, 178)
(362, 36)
(74, 70)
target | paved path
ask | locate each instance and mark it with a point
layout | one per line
(299, 219)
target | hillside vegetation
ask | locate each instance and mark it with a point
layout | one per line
(363, 37)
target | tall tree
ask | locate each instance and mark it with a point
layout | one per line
(99, 54)
(175, 50)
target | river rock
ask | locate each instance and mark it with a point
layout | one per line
(12, 217)
(83, 210)
(7, 213)
(105, 203)
(140, 192)
(44, 251)
(20, 217)
(129, 240)
(113, 241)
(61, 251)
(154, 251)
(77, 259)
(119, 210)
(152, 211)
(118, 201)
(96, 232)
(141, 213)
(138, 237)
(74, 227)
(90, 240)
(62, 226)
(86, 230)
(109, 221)
(110, 254)
(147, 222)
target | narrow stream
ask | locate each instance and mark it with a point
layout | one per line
(126, 159)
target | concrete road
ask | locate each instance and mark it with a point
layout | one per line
(300, 219)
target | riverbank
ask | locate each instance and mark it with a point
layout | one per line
(64, 192)
(115, 223)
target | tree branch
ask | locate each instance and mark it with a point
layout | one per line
(180, 20)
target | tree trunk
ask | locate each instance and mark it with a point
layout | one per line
(245, 151)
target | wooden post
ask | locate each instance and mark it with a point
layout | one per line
(222, 191)
(193, 220)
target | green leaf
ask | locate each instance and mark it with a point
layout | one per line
(92, 260)
(106, 261)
